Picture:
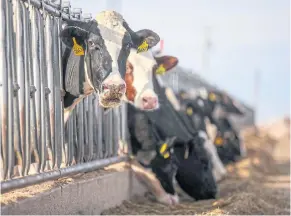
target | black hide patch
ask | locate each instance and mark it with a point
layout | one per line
(194, 174)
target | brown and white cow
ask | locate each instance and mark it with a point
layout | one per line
(140, 69)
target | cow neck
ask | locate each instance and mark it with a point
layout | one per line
(74, 77)
(166, 115)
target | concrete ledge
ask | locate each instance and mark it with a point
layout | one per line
(88, 196)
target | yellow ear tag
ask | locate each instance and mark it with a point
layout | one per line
(189, 111)
(163, 149)
(212, 97)
(78, 50)
(143, 47)
(161, 70)
(218, 141)
(167, 155)
(183, 95)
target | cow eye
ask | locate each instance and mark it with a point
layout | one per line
(128, 46)
(91, 43)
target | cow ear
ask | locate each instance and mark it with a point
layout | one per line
(165, 63)
(145, 39)
(212, 96)
(70, 32)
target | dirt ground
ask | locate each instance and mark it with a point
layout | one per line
(258, 184)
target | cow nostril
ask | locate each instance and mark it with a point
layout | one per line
(151, 100)
(105, 86)
(122, 86)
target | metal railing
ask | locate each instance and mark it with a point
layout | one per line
(35, 144)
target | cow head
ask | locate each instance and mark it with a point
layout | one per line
(165, 166)
(229, 148)
(215, 97)
(140, 69)
(105, 44)
(195, 175)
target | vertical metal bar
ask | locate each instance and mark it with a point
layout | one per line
(11, 77)
(43, 93)
(57, 91)
(80, 152)
(60, 74)
(17, 138)
(124, 127)
(111, 134)
(50, 76)
(95, 126)
(86, 134)
(4, 87)
(100, 119)
(74, 145)
(105, 134)
(90, 126)
(33, 65)
(21, 78)
(116, 129)
(35, 80)
(70, 140)
(27, 87)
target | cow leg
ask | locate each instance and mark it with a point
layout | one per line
(153, 184)
(122, 148)
(68, 110)
(67, 113)
(219, 170)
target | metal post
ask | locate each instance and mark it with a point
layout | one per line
(256, 99)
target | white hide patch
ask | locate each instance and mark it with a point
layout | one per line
(211, 129)
(203, 93)
(143, 74)
(218, 168)
(200, 103)
(110, 24)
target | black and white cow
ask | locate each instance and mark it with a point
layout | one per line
(194, 174)
(151, 166)
(232, 147)
(95, 58)
(197, 111)
(227, 140)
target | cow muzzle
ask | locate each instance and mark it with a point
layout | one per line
(168, 199)
(112, 90)
(149, 101)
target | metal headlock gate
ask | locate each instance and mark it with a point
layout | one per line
(35, 145)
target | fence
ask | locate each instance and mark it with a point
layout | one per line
(35, 145)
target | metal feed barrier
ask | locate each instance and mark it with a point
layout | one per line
(35, 145)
